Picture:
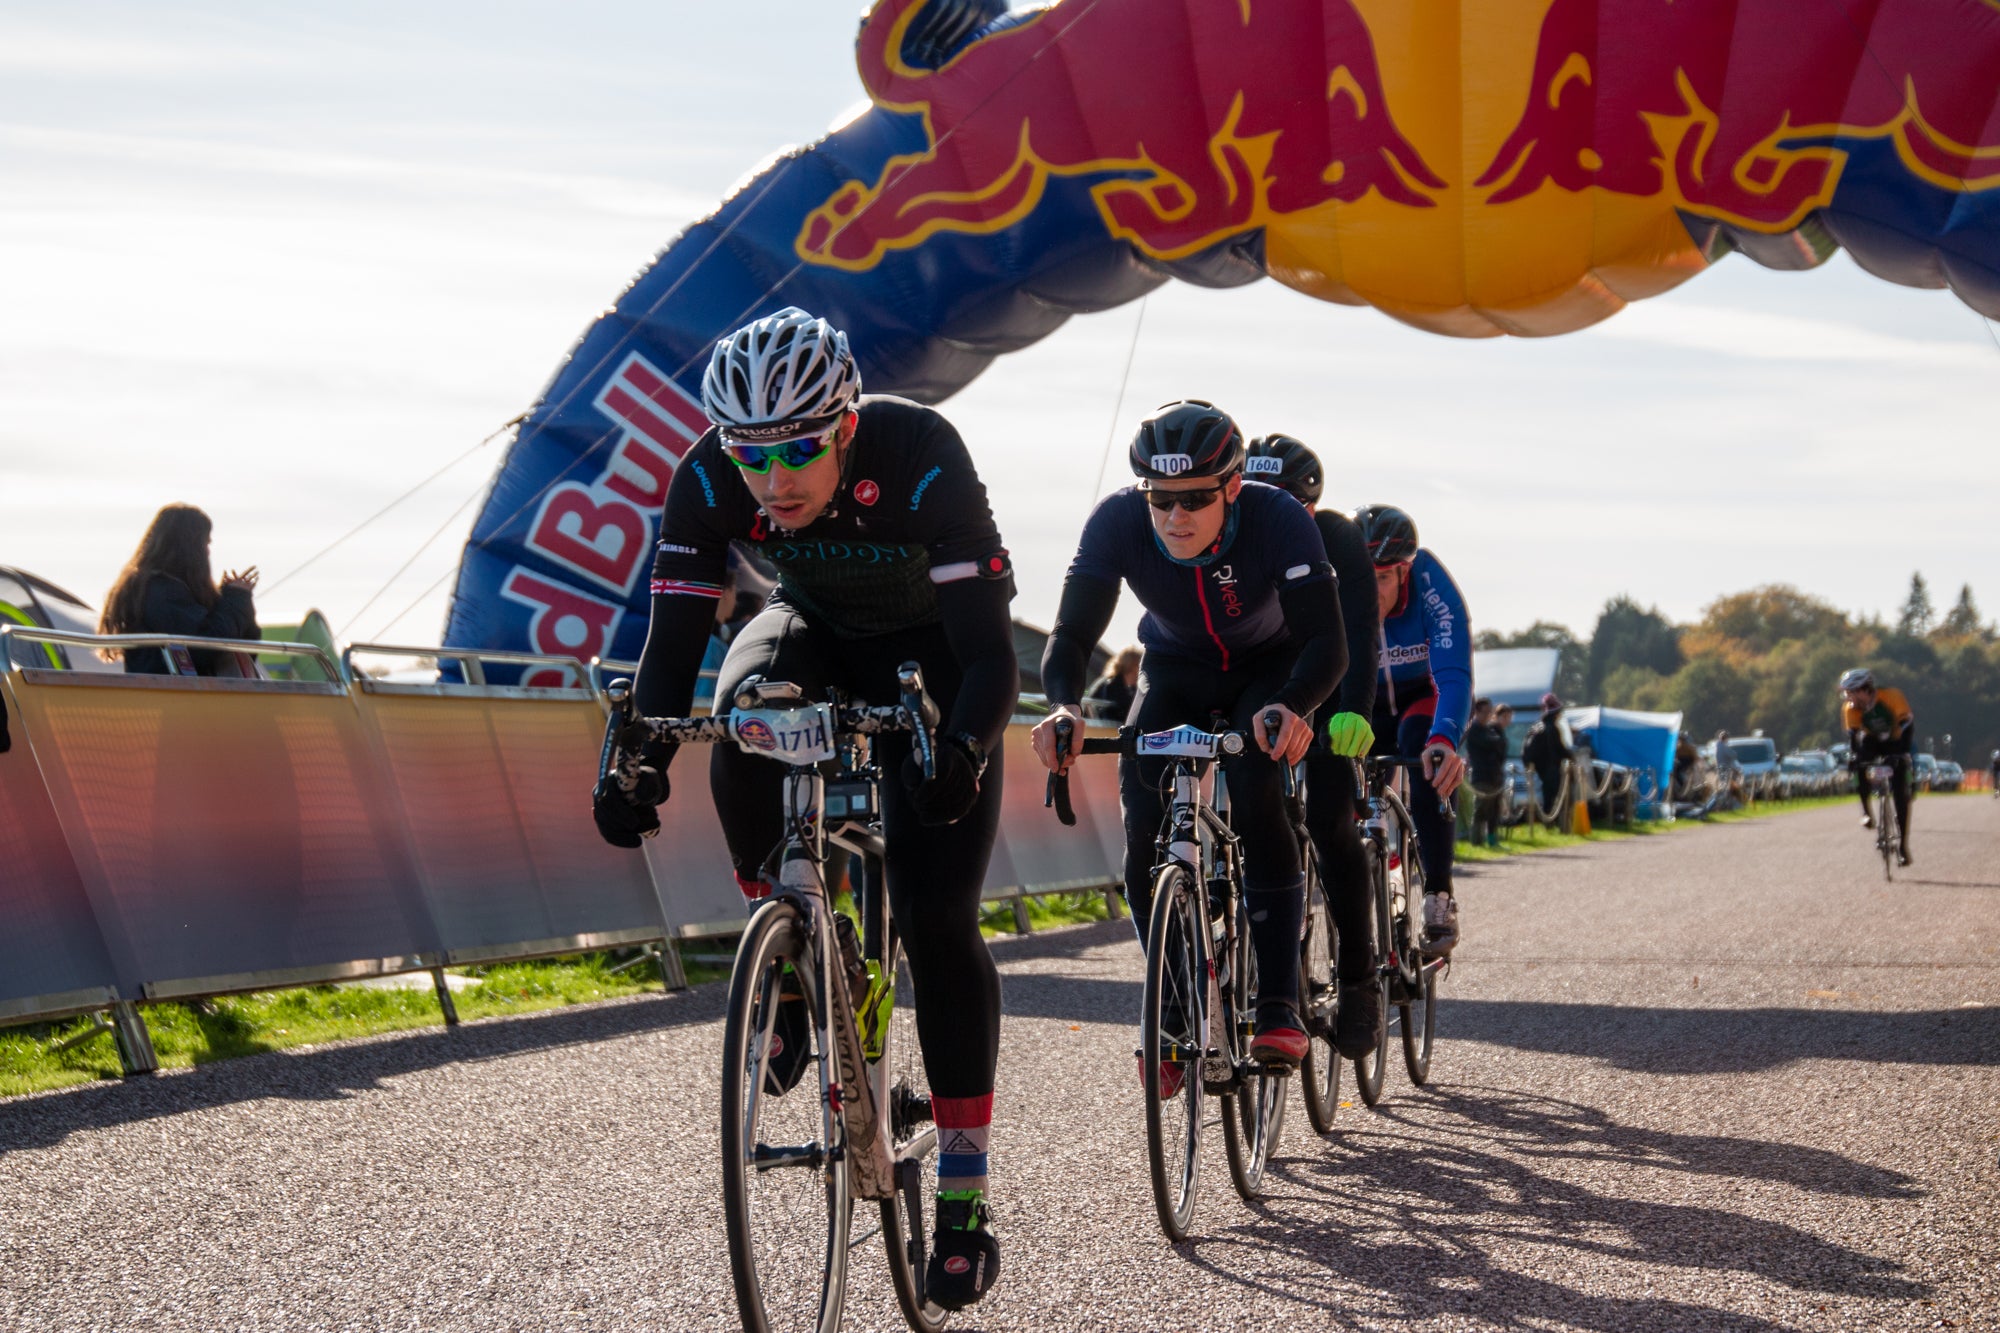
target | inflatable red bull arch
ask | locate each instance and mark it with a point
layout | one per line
(1473, 169)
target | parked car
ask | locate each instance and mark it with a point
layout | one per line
(1756, 757)
(1951, 777)
(1812, 773)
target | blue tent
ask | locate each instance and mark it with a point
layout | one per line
(1643, 742)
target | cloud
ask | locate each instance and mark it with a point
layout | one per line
(613, 195)
(1764, 336)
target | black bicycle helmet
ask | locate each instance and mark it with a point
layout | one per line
(1187, 439)
(1391, 534)
(1286, 463)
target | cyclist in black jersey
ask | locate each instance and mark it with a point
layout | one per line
(886, 552)
(1242, 618)
(1342, 733)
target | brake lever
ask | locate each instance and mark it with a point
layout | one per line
(1057, 794)
(923, 715)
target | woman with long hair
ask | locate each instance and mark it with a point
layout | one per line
(166, 588)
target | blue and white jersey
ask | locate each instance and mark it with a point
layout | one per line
(1427, 652)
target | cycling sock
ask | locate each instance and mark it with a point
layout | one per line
(962, 1125)
(1277, 919)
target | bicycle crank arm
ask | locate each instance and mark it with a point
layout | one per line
(766, 1158)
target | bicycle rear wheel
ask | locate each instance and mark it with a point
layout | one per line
(785, 1193)
(1172, 1031)
(907, 1216)
(1319, 1074)
(1253, 1114)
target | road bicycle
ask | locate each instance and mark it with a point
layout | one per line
(1408, 980)
(796, 1157)
(1198, 1010)
(1880, 775)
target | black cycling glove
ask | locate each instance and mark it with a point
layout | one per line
(626, 819)
(945, 797)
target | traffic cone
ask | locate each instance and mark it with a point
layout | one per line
(1580, 820)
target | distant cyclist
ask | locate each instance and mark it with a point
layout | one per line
(1996, 773)
(1879, 725)
(1425, 695)
(886, 552)
(1341, 732)
(1242, 619)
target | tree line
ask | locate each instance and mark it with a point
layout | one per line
(1770, 659)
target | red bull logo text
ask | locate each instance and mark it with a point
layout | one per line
(599, 528)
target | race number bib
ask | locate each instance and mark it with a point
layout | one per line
(792, 735)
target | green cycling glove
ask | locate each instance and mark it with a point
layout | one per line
(1349, 735)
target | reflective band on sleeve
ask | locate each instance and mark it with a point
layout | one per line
(685, 588)
(952, 573)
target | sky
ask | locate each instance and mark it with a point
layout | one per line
(287, 262)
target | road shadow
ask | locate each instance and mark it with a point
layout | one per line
(1711, 1041)
(331, 1073)
(1412, 1220)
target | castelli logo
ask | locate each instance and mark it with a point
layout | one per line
(867, 492)
(957, 1264)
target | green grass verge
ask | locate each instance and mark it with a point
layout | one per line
(1045, 912)
(1519, 841)
(195, 1033)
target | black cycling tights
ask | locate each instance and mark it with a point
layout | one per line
(935, 874)
(1175, 691)
(1871, 750)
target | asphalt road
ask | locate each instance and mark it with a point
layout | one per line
(1723, 1079)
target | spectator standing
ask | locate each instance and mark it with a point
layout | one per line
(1486, 762)
(1110, 695)
(1687, 763)
(1548, 753)
(166, 588)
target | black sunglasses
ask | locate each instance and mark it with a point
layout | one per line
(1190, 501)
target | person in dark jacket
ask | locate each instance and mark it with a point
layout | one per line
(1342, 733)
(1110, 695)
(166, 588)
(1547, 753)
(1486, 763)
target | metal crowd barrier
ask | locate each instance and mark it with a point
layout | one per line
(168, 837)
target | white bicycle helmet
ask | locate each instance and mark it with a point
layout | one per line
(1861, 678)
(782, 377)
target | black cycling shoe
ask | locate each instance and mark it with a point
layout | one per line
(1359, 1029)
(965, 1255)
(1903, 857)
(791, 1038)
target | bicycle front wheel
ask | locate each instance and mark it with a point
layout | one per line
(1253, 1113)
(1172, 1040)
(1885, 832)
(785, 1195)
(1370, 1069)
(907, 1216)
(1318, 1005)
(1417, 1014)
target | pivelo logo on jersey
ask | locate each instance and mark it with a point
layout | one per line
(917, 496)
(866, 492)
(1225, 583)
